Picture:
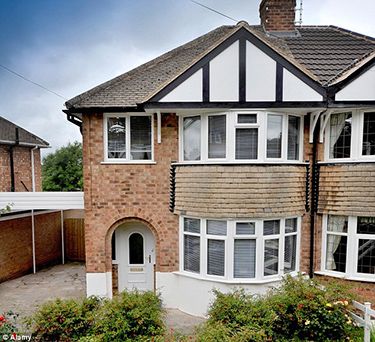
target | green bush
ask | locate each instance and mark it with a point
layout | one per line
(300, 309)
(63, 320)
(131, 316)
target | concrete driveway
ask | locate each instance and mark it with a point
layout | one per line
(24, 295)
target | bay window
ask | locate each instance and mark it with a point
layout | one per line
(243, 137)
(127, 137)
(349, 246)
(350, 136)
(238, 251)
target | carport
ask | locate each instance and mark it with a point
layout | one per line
(32, 203)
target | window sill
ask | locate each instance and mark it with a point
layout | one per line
(232, 281)
(346, 161)
(260, 163)
(368, 279)
(135, 162)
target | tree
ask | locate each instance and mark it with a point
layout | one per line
(62, 170)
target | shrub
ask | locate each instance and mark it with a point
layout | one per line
(300, 309)
(308, 311)
(131, 316)
(63, 320)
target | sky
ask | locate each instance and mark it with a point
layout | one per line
(70, 46)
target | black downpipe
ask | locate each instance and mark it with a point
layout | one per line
(314, 197)
(11, 162)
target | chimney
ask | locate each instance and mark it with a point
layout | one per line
(278, 16)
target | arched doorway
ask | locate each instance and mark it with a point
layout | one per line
(134, 246)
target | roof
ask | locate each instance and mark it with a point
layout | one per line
(323, 53)
(8, 135)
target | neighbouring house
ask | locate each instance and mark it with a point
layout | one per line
(30, 239)
(239, 157)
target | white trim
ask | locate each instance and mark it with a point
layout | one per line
(229, 239)
(231, 127)
(126, 160)
(351, 252)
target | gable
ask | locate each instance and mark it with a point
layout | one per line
(241, 69)
(361, 88)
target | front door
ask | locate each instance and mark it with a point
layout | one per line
(135, 245)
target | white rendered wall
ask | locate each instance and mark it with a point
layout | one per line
(224, 75)
(260, 75)
(362, 88)
(194, 296)
(99, 284)
(190, 90)
(296, 90)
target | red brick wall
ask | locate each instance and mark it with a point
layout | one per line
(22, 168)
(114, 193)
(16, 244)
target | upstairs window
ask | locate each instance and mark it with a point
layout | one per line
(350, 136)
(241, 137)
(340, 135)
(368, 144)
(127, 137)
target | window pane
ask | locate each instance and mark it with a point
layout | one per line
(247, 143)
(366, 256)
(192, 138)
(113, 245)
(116, 137)
(368, 147)
(217, 136)
(274, 135)
(216, 227)
(293, 137)
(244, 258)
(290, 252)
(245, 228)
(340, 135)
(246, 118)
(140, 137)
(290, 225)
(271, 227)
(215, 257)
(192, 253)
(136, 249)
(271, 257)
(336, 253)
(366, 225)
(192, 225)
(337, 224)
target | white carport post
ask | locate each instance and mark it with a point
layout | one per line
(62, 237)
(33, 238)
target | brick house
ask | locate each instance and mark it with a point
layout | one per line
(20, 171)
(239, 157)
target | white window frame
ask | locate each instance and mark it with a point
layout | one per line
(351, 252)
(229, 250)
(231, 126)
(126, 160)
(356, 137)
